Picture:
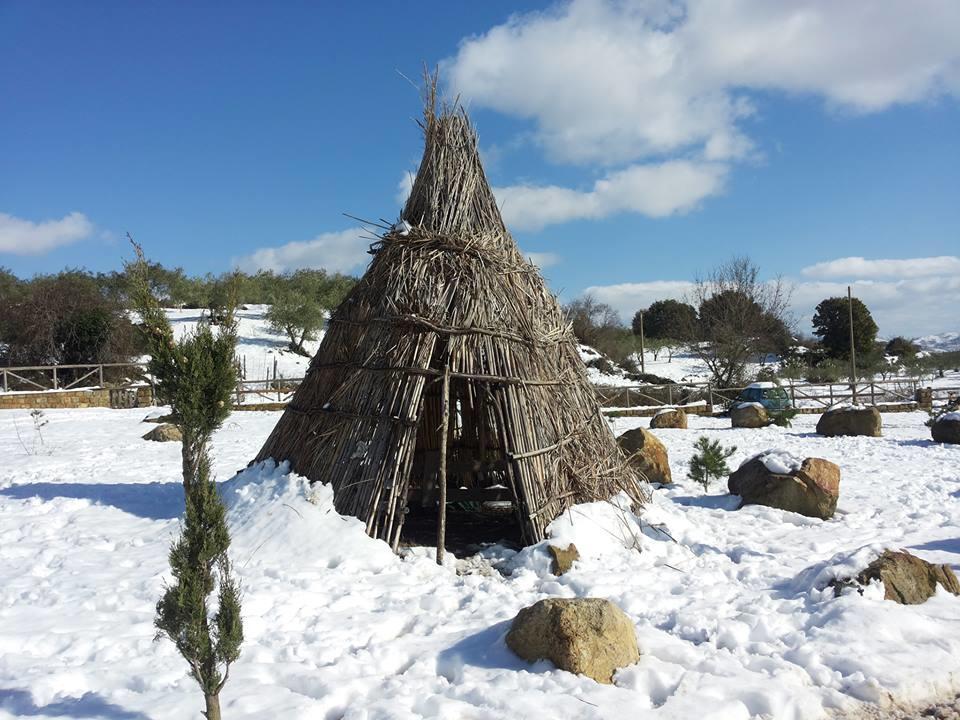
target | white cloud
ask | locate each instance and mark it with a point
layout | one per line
(542, 259)
(627, 298)
(614, 81)
(25, 237)
(343, 251)
(659, 190)
(858, 267)
(404, 187)
(908, 297)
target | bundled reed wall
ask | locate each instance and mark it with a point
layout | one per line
(449, 294)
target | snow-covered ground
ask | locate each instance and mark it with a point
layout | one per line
(257, 345)
(728, 606)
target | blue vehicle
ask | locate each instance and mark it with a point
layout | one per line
(771, 396)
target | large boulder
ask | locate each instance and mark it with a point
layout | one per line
(673, 418)
(164, 433)
(848, 420)
(908, 579)
(776, 479)
(947, 428)
(646, 454)
(588, 636)
(749, 415)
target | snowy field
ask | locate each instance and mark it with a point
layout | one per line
(257, 345)
(730, 615)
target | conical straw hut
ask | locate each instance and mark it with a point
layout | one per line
(449, 377)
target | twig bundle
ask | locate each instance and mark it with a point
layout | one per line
(448, 293)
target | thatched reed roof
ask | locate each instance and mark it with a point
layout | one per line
(450, 367)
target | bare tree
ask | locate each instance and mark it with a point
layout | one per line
(738, 316)
(591, 319)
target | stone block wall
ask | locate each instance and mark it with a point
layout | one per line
(65, 399)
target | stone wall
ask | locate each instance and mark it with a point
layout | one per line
(58, 399)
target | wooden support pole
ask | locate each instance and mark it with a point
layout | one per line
(643, 364)
(853, 350)
(444, 430)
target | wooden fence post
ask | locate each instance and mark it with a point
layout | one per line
(54, 377)
(444, 430)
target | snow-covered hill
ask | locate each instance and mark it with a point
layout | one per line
(258, 347)
(943, 342)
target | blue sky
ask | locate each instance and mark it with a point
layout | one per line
(633, 145)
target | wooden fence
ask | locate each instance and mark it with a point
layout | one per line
(899, 393)
(39, 378)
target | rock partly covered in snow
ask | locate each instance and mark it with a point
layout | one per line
(906, 579)
(562, 558)
(164, 433)
(850, 420)
(646, 454)
(672, 418)
(158, 416)
(749, 415)
(947, 428)
(778, 479)
(587, 636)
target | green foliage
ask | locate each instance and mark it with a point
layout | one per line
(901, 347)
(782, 418)
(300, 300)
(196, 376)
(793, 368)
(739, 316)
(666, 319)
(831, 322)
(199, 564)
(62, 319)
(828, 371)
(710, 461)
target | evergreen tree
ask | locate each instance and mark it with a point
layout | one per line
(666, 319)
(831, 323)
(196, 376)
(709, 462)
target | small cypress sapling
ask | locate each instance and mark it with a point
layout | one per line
(196, 376)
(199, 563)
(709, 462)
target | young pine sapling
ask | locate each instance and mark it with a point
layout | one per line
(710, 461)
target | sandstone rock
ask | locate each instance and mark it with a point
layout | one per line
(669, 419)
(907, 579)
(947, 429)
(164, 433)
(864, 421)
(588, 636)
(749, 415)
(812, 489)
(563, 558)
(646, 454)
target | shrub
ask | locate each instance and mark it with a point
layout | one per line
(782, 418)
(709, 462)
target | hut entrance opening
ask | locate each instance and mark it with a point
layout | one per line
(472, 478)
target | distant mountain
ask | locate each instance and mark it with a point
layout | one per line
(944, 342)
